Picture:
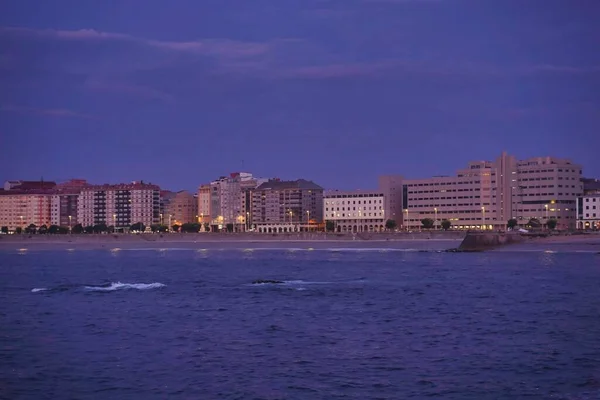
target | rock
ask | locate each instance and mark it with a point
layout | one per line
(260, 281)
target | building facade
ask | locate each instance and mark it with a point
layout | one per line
(63, 207)
(486, 194)
(182, 208)
(23, 203)
(226, 201)
(355, 211)
(286, 206)
(119, 205)
(588, 212)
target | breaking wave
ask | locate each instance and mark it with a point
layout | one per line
(35, 290)
(123, 286)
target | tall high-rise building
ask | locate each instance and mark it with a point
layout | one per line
(119, 205)
(286, 206)
(486, 194)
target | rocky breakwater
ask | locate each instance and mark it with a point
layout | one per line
(481, 241)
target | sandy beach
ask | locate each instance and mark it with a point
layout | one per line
(418, 241)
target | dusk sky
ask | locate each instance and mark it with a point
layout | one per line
(179, 93)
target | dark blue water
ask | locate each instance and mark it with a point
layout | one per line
(343, 325)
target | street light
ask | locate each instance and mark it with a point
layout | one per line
(247, 220)
(21, 222)
(70, 224)
(308, 219)
(406, 223)
(546, 207)
(435, 221)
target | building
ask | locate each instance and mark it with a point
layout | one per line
(588, 212)
(486, 194)
(286, 206)
(355, 211)
(590, 186)
(204, 204)
(226, 201)
(63, 203)
(23, 203)
(119, 205)
(165, 199)
(182, 208)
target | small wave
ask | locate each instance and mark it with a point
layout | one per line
(121, 286)
(35, 290)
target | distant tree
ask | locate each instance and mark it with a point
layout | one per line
(4, 230)
(111, 229)
(390, 224)
(154, 228)
(77, 229)
(175, 228)
(18, 230)
(427, 223)
(100, 228)
(207, 227)
(229, 227)
(89, 229)
(446, 224)
(43, 229)
(552, 224)
(190, 227)
(53, 229)
(63, 230)
(512, 223)
(31, 229)
(329, 226)
(137, 227)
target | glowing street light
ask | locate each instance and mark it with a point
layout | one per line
(406, 223)
(435, 221)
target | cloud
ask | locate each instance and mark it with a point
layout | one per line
(211, 47)
(46, 112)
(107, 86)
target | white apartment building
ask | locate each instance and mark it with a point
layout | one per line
(486, 194)
(119, 205)
(227, 201)
(588, 212)
(355, 211)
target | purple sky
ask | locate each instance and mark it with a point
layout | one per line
(180, 92)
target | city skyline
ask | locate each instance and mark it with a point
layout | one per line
(339, 92)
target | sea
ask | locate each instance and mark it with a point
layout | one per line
(298, 323)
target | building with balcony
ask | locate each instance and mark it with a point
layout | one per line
(119, 205)
(286, 206)
(226, 201)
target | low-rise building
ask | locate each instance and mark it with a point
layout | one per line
(588, 212)
(355, 211)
